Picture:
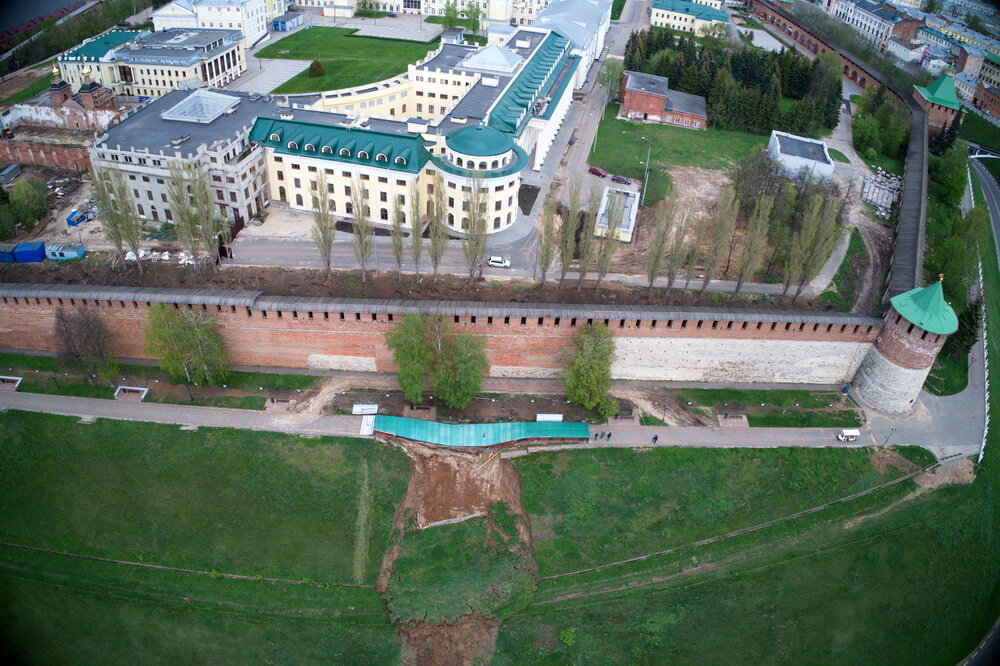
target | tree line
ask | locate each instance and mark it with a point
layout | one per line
(22, 206)
(880, 124)
(743, 87)
(52, 39)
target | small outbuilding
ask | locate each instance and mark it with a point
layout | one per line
(64, 251)
(798, 155)
(26, 253)
(648, 99)
(454, 35)
(286, 22)
(7, 253)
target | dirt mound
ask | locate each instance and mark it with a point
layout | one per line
(468, 641)
(661, 404)
(959, 472)
(884, 459)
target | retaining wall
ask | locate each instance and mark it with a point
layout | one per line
(522, 340)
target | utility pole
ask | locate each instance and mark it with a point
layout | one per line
(645, 175)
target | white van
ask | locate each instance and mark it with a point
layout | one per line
(848, 435)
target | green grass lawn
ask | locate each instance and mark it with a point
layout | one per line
(839, 156)
(234, 501)
(594, 507)
(461, 22)
(981, 131)
(617, 7)
(843, 291)
(949, 375)
(917, 584)
(619, 149)
(757, 397)
(891, 164)
(349, 60)
(29, 92)
(447, 571)
(65, 610)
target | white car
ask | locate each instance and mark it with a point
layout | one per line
(498, 262)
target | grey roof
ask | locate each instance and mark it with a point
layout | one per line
(175, 46)
(287, 16)
(145, 129)
(140, 294)
(257, 301)
(686, 103)
(883, 12)
(647, 83)
(449, 56)
(576, 20)
(453, 32)
(798, 147)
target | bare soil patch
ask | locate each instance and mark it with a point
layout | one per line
(96, 270)
(662, 404)
(960, 472)
(885, 459)
(468, 641)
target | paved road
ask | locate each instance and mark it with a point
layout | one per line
(992, 191)
(185, 415)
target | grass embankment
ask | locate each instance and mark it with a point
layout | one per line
(617, 7)
(590, 508)
(777, 408)
(256, 504)
(979, 130)
(839, 156)
(29, 92)
(892, 165)
(44, 374)
(348, 60)
(478, 566)
(619, 148)
(916, 582)
(843, 291)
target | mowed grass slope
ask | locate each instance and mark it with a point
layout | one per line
(348, 60)
(216, 499)
(590, 508)
(917, 582)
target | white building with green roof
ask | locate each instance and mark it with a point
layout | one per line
(696, 16)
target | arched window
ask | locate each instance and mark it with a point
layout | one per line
(345, 152)
(508, 218)
(362, 155)
(298, 199)
(465, 223)
(309, 146)
(381, 157)
(349, 208)
(482, 166)
(293, 145)
(496, 223)
(383, 214)
(458, 161)
(281, 193)
(333, 206)
(451, 219)
(274, 137)
(326, 149)
(401, 160)
(496, 164)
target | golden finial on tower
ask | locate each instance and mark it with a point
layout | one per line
(55, 70)
(940, 277)
(86, 70)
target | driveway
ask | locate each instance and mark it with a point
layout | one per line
(265, 74)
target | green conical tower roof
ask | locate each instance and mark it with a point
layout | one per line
(941, 91)
(926, 308)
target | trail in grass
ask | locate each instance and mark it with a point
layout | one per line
(362, 529)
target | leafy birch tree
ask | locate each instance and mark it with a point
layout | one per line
(547, 237)
(609, 242)
(568, 229)
(723, 230)
(416, 228)
(656, 251)
(677, 247)
(397, 235)
(116, 206)
(474, 241)
(588, 369)
(588, 242)
(187, 343)
(438, 231)
(185, 217)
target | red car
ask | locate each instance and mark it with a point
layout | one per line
(597, 171)
(621, 179)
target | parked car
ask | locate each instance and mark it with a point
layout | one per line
(598, 171)
(391, 14)
(621, 179)
(498, 262)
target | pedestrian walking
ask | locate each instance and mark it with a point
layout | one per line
(609, 436)
(655, 437)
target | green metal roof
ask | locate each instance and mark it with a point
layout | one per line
(480, 141)
(402, 152)
(512, 111)
(517, 164)
(477, 434)
(941, 91)
(926, 308)
(96, 48)
(703, 12)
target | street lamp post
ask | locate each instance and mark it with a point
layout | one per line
(645, 175)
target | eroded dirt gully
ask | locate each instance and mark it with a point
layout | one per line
(447, 485)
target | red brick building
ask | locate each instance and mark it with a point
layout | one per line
(988, 99)
(648, 99)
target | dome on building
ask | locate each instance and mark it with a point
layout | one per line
(925, 307)
(480, 141)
